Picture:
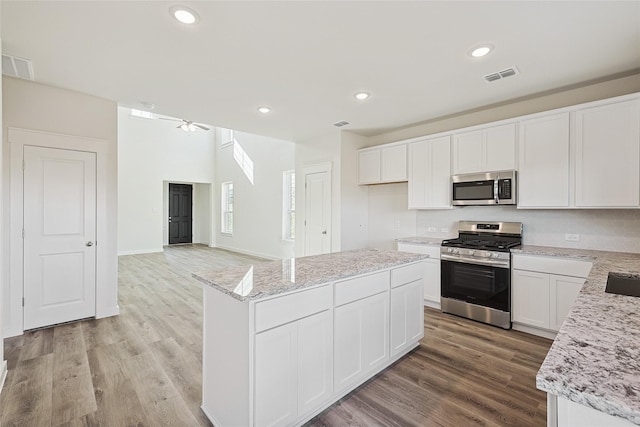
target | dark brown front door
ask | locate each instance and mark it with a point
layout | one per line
(180, 213)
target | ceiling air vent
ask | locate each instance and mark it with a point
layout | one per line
(502, 74)
(17, 67)
(341, 123)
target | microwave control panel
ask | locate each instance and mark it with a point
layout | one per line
(504, 188)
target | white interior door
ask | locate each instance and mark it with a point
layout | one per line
(317, 212)
(59, 236)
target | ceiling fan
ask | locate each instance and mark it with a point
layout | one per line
(186, 125)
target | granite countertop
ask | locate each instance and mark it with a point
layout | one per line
(595, 358)
(276, 277)
(422, 240)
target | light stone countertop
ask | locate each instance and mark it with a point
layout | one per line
(595, 358)
(276, 277)
(423, 240)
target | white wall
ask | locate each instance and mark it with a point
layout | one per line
(389, 217)
(3, 363)
(354, 204)
(322, 149)
(258, 206)
(29, 105)
(152, 153)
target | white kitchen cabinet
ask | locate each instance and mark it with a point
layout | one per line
(432, 291)
(430, 173)
(530, 298)
(563, 292)
(407, 316)
(543, 166)
(293, 369)
(361, 338)
(383, 164)
(543, 290)
(608, 155)
(485, 150)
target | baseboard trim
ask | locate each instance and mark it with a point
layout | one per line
(244, 252)
(108, 312)
(534, 331)
(141, 251)
(3, 374)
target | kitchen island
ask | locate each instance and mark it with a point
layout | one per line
(283, 340)
(592, 371)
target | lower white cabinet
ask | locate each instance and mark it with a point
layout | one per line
(361, 331)
(407, 316)
(540, 298)
(432, 292)
(566, 413)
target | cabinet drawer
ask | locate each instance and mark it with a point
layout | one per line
(432, 251)
(361, 287)
(407, 274)
(292, 307)
(553, 265)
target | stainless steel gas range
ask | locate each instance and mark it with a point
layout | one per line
(476, 271)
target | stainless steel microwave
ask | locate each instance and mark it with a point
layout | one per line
(491, 188)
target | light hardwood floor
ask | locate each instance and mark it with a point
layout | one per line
(144, 367)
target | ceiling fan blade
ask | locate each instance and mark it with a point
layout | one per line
(200, 126)
(179, 127)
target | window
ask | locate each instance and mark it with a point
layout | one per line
(226, 137)
(141, 114)
(227, 207)
(289, 205)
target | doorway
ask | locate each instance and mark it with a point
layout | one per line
(317, 212)
(180, 213)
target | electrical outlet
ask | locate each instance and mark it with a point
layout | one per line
(572, 237)
(431, 229)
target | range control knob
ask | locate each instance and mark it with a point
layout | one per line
(450, 250)
(495, 255)
(472, 252)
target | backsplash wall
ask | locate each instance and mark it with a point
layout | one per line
(600, 229)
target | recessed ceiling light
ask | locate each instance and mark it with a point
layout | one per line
(481, 51)
(362, 95)
(264, 109)
(184, 14)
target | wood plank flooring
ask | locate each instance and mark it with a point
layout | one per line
(144, 367)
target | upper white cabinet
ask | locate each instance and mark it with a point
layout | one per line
(543, 167)
(386, 163)
(430, 173)
(485, 150)
(608, 155)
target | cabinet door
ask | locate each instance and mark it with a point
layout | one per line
(315, 361)
(530, 298)
(440, 167)
(276, 376)
(543, 167)
(564, 291)
(361, 331)
(418, 175)
(467, 152)
(394, 163)
(432, 281)
(499, 149)
(608, 155)
(407, 316)
(369, 166)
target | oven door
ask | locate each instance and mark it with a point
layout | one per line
(488, 286)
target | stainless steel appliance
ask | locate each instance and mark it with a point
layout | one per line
(476, 271)
(491, 188)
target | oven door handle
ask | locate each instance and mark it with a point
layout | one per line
(469, 260)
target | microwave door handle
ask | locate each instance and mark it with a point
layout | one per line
(495, 190)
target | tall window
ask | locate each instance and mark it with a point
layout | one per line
(289, 208)
(227, 207)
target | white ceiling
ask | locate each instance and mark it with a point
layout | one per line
(306, 59)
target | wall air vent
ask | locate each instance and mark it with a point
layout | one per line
(17, 67)
(502, 74)
(341, 123)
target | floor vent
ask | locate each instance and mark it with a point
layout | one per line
(502, 74)
(17, 67)
(341, 123)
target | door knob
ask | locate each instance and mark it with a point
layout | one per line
(89, 243)
(324, 232)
